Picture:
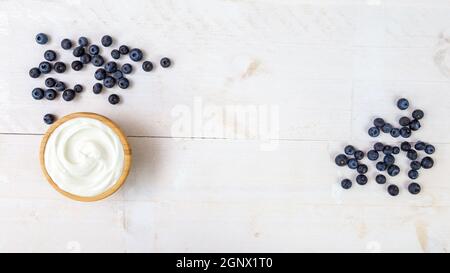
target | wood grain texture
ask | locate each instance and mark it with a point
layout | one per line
(329, 66)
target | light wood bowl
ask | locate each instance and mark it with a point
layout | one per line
(126, 151)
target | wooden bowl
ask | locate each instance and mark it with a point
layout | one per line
(126, 151)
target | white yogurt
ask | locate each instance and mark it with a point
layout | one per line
(84, 157)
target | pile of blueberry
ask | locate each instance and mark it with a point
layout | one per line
(352, 156)
(109, 72)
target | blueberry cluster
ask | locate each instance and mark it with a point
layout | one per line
(384, 154)
(109, 73)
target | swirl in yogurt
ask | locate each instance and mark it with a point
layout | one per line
(84, 157)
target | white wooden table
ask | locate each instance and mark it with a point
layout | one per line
(326, 68)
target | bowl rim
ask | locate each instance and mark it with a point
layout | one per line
(123, 140)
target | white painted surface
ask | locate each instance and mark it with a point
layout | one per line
(328, 66)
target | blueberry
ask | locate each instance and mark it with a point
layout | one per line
(389, 159)
(404, 121)
(45, 67)
(361, 179)
(78, 88)
(362, 169)
(109, 82)
(429, 149)
(414, 188)
(41, 38)
(380, 179)
(415, 165)
(100, 74)
(346, 184)
(106, 40)
(395, 150)
(115, 54)
(127, 68)
(165, 62)
(97, 88)
(393, 170)
(413, 174)
(97, 60)
(123, 83)
(50, 94)
(117, 75)
(387, 128)
(405, 146)
(50, 82)
(85, 58)
(77, 65)
(414, 125)
(379, 122)
(420, 146)
(395, 132)
(78, 51)
(378, 146)
(341, 160)
(83, 41)
(37, 93)
(123, 49)
(113, 99)
(60, 86)
(49, 119)
(427, 162)
(147, 66)
(66, 44)
(111, 67)
(359, 155)
(381, 166)
(418, 114)
(403, 104)
(60, 67)
(374, 132)
(136, 54)
(94, 50)
(349, 150)
(352, 163)
(50, 55)
(372, 155)
(405, 132)
(411, 154)
(387, 150)
(393, 190)
(68, 95)
(34, 72)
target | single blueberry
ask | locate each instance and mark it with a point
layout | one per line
(147, 66)
(165, 62)
(45, 67)
(379, 122)
(387, 128)
(41, 38)
(100, 74)
(346, 184)
(381, 166)
(66, 44)
(97, 60)
(413, 174)
(420, 146)
(123, 83)
(115, 54)
(136, 54)
(361, 179)
(395, 132)
(395, 150)
(393, 170)
(414, 188)
(60, 67)
(117, 75)
(352, 163)
(35, 72)
(415, 165)
(359, 155)
(349, 150)
(387, 150)
(85, 58)
(411, 154)
(123, 49)
(374, 131)
(37, 93)
(50, 94)
(403, 104)
(405, 132)
(109, 82)
(127, 68)
(404, 121)
(111, 67)
(78, 88)
(405, 146)
(427, 162)
(97, 88)
(60, 86)
(50, 55)
(50, 82)
(417, 114)
(372, 155)
(94, 50)
(341, 160)
(106, 40)
(68, 95)
(83, 41)
(78, 51)
(380, 179)
(49, 119)
(77, 65)
(429, 149)
(393, 190)
(389, 159)
(414, 125)
(362, 168)
(113, 99)
(378, 146)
